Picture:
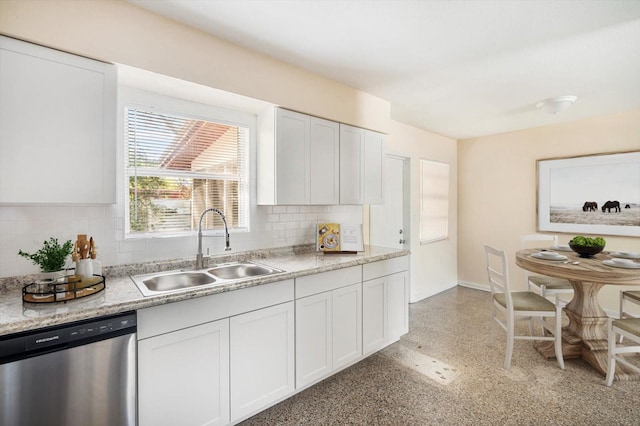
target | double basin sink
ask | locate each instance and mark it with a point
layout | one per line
(167, 282)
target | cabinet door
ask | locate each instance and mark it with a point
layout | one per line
(57, 126)
(398, 305)
(183, 377)
(313, 338)
(351, 159)
(374, 315)
(325, 160)
(347, 325)
(262, 358)
(373, 167)
(292, 157)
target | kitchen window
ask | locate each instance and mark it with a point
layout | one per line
(178, 165)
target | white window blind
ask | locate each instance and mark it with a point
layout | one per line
(179, 166)
(434, 201)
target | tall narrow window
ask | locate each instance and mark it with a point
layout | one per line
(179, 166)
(434, 201)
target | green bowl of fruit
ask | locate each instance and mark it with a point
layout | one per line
(586, 246)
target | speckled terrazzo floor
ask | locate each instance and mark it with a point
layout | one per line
(468, 385)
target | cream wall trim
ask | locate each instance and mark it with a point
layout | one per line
(119, 32)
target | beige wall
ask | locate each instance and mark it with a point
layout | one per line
(119, 32)
(497, 187)
(433, 265)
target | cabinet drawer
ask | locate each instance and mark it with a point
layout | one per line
(187, 313)
(326, 281)
(385, 267)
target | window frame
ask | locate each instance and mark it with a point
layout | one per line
(155, 102)
(435, 182)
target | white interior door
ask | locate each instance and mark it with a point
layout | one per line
(388, 224)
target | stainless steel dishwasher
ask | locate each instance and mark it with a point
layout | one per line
(81, 373)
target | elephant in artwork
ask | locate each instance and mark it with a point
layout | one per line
(590, 206)
(615, 205)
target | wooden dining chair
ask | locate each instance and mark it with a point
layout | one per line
(546, 286)
(508, 307)
(630, 329)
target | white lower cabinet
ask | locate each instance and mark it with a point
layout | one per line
(183, 376)
(262, 358)
(314, 342)
(219, 359)
(374, 315)
(347, 325)
(328, 332)
(211, 360)
(385, 303)
(397, 305)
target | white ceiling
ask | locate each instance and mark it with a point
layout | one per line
(457, 68)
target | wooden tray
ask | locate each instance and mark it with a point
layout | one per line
(69, 288)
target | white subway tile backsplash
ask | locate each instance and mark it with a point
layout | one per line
(26, 227)
(279, 226)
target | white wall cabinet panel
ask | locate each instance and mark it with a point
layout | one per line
(262, 358)
(324, 180)
(301, 165)
(373, 167)
(351, 159)
(361, 166)
(184, 377)
(292, 157)
(57, 127)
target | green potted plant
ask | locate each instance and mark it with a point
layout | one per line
(52, 256)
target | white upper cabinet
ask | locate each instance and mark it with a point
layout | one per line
(373, 168)
(301, 166)
(57, 126)
(361, 157)
(325, 159)
(351, 159)
(292, 157)
(309, 160)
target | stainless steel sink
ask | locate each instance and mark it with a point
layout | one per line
(166, 282)
(240, 270)
(177, 280)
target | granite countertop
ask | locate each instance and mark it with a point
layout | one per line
(122, 295)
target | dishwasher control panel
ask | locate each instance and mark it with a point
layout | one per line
(71, 334)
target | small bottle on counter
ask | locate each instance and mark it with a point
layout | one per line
(95, 263)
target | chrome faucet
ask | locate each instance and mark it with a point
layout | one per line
(199, 259)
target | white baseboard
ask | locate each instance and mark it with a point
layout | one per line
(475, 286)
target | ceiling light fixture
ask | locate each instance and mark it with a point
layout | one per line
(557, 105)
